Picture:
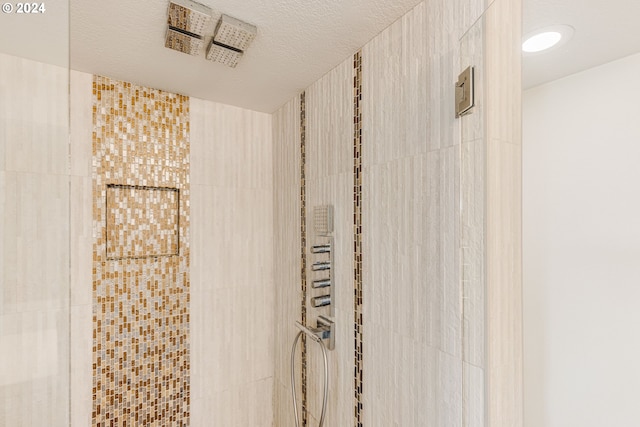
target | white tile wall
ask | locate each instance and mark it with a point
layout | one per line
(82, 372)
(245, 235)
(412, 291)
(503, 97)
(329, 108)
(81, 151)
(286, 249)
(232, 281)
(395, 77)
(330, 125)
(34, 249)
(424, 229)
(473, 251)
(473, 232)
(249, 404)
(34, 113)
(232, 289)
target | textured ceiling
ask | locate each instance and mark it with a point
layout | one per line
(298, 41)
(604, 31)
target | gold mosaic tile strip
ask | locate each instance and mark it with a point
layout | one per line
(140, 304)
(357, 233)
(142, 221)
(303, 247)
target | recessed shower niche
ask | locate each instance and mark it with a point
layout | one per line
(142, 221)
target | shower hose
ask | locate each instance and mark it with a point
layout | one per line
(293, 378)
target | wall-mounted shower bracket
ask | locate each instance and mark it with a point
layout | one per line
(324, 330)
(327, 325)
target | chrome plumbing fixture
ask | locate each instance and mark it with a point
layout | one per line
(321, 265)
(323, 331)
(234, 33)
(323, 225)
(187, 23)
(322, 283)
(323, 220)
(321, 301)
(232, 37)
(320, 249)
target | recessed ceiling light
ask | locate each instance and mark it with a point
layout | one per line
(542, 41)
(546, 38)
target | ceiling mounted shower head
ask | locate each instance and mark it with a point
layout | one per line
(189, 16)
(224, 54)
(188, 21)
(234, 33)
(183, 42)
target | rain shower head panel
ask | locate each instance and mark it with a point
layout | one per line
(189, 24)
(189, 16)
(182, 42)
(234, 33)
(223, 54)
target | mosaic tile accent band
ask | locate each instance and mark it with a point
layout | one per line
(140, 299)
(303, 248)
(357, 233)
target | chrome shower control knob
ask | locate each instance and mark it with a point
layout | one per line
(321, 265)
(321, 301)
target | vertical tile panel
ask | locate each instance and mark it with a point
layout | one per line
(141, 312)
(81, 360)
(40, 121)
(472, 240)
(473, 251)
(398, 61)
(287, 224)
(503, 56)
(34, 243)
(504, 284)
(330, 114)
(232, 266)
(503, 221)
(442, 64)
(412, 263)
(330, 143)
(81, 120)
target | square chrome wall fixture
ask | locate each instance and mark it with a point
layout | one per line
(188, 22)
(465, 92)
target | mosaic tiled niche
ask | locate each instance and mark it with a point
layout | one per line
(140, 256)
(357, 233)
(142, 221)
